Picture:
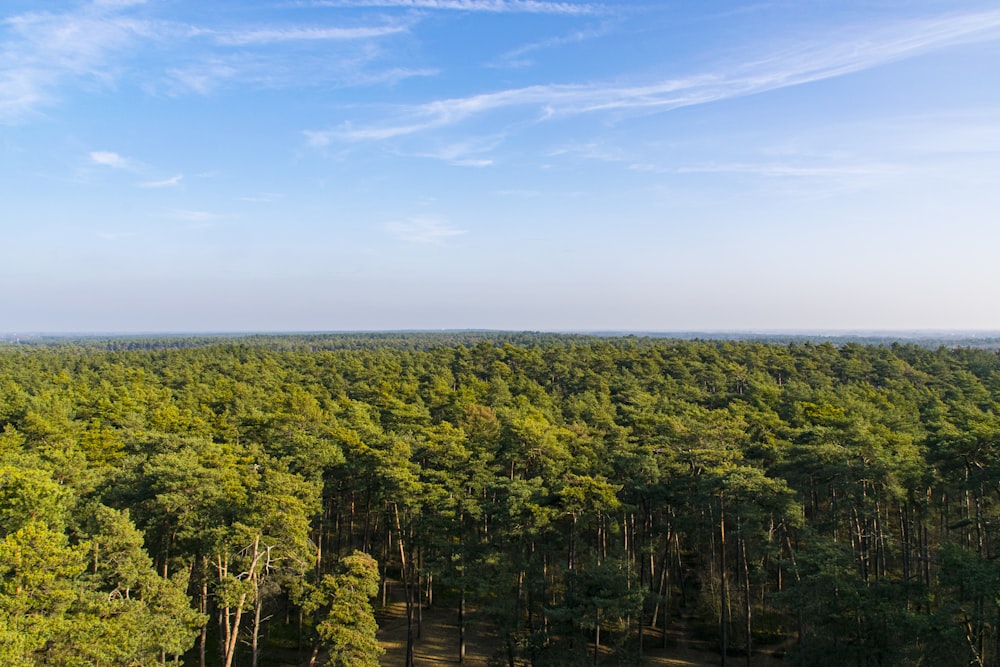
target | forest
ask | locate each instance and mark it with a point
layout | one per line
(254, 501)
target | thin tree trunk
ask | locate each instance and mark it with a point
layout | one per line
(203, 608)
(319, 547)
(461, 624)
(795, 571)
(420, 604)
(224, 612)
(233, 631)
(724, 593)
(406, 587)
(746, 592)
(597, 636)
(234, 634)
(255, 637)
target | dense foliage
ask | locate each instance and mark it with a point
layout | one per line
(233, 502)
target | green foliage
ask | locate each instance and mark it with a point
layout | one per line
(38, 571)
(347, 624)
(28, 495)
(839, 493)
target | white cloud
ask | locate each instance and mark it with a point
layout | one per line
(202, 77)
(263, 198)
(592, 151)
(19, 93)
(836, 56)
(43, 53)
(194, 216)
(491, 6)
(646, 168)
(519, 193)
(118, 3)
(319, 138)
(464, 153)
(273, 35)
(244, 57)
(114, 236)
(423, 230)
(171, 182)
(516, 57)
(468, 162)
(42, 50)
(786, 170)
(390, 76)
(110, 159)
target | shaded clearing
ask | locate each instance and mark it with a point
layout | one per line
(438, 643)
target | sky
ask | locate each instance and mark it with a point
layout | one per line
(335, 165)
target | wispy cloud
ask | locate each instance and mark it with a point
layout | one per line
(473, 162)
(469, 153)
(338, 56)
(591, 151)
(491, 6)
(263, 198)
(389, 76)
(519, 193)
(423, 230)
(194, 216)
(794, 66)
(201, 77)
(114, 236)
(785, 170)
(110, 159)
(119, 3)
(42, 53)
(516, 57)
(290, 34)
(42, 50)
(171, 182)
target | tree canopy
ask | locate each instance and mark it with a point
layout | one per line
(244, 501)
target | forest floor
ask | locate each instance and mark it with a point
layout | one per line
(438, 643)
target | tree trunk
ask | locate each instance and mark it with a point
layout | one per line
(406, 587)
(234, 633)
(597, 636)
(723, 592)
(223, 612)
(461, 624)
(255, 638)
(203, 608)
(746, 594)
(420, 597)
(233, 629)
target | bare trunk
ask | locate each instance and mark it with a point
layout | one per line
(203, 608)
(255, 639)
(461, 625)
(746, 593)
(597, 636)
(723, 592)
(234, 634)
(232, 629)
(406, 587)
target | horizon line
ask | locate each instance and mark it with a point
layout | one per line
(601, 332)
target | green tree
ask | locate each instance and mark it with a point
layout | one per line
(38, 589)
(342, 603)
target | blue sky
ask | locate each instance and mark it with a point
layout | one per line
(173, 165)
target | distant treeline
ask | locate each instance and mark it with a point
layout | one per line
(242, 501)
(425, 340)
